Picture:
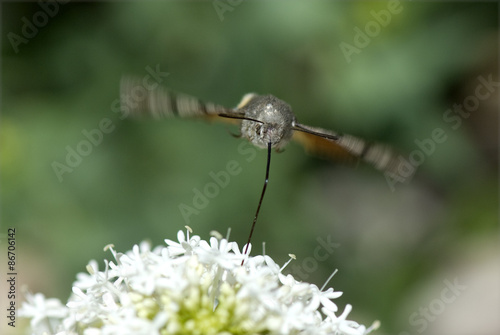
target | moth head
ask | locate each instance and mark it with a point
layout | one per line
(272, 121)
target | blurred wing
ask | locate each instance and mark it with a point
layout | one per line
(141, 99)
(321, 146)
(335, 146)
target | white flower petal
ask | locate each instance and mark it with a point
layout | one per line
(144, 290)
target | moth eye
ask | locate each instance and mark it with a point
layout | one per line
(258, 128)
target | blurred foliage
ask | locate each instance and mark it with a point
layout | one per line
(65, 80)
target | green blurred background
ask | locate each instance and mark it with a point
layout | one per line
(395, 249)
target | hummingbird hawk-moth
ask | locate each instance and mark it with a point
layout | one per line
(264, 120)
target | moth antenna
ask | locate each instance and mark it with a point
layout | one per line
(238, 117)
(306, 129)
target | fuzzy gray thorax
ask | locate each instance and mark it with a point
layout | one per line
(276, 117)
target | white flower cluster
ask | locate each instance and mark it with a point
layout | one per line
(190, 287)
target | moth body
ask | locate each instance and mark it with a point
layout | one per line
(276, 121)
(263, 119)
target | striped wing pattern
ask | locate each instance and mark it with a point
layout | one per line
(142, 100)
(331, 145)
(157, 102)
